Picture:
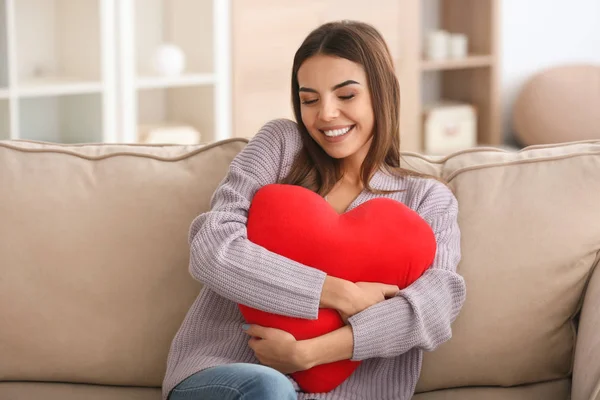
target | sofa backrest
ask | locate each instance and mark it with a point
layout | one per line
(530, 238)
(94, 256)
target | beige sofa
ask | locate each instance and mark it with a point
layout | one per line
(94, 280)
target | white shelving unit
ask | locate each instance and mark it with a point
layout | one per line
(199, 97)
(79, 70)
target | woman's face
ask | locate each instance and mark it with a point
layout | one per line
(335, 104)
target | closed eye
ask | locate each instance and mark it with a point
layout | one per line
(308, 102)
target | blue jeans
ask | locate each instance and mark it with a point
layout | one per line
(235, 382)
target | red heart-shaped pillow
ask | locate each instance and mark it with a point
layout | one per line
(381, 240)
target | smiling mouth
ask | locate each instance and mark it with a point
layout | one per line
(337, 132)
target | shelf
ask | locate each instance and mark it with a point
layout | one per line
(472, 61)
(55, 86)
(4, 93)
(62, 119)
(4, 120)
(158, 82)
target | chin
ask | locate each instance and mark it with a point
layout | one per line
(338, 154)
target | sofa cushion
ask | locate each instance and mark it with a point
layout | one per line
(530, 236)
(554, 390)
(94, 278)
(69, 391)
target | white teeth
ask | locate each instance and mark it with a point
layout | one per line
(337, 132)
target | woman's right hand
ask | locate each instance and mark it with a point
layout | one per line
(362, 295)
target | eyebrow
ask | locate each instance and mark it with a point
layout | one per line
(339, 85)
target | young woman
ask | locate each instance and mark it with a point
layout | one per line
(345, 147)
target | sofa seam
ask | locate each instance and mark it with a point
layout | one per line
(578, 308)
(518, 162)
(6, 144)
(199, 150)
(497, 150)
(127, 144)
(588, 278)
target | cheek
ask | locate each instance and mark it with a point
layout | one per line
(308, 121)
(368, 118)
(362, 112)
(308, 117)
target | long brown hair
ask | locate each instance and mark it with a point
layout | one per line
(361, 43)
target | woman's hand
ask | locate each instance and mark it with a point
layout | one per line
(362, 295)
(277, 349)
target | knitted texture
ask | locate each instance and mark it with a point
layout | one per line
(390, 336)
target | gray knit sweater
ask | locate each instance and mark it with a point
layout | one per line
(389, 336)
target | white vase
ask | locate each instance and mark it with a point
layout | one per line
(168, 60)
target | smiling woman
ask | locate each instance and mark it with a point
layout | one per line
(345, 146)
(346, 100)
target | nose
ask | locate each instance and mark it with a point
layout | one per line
(329, 110)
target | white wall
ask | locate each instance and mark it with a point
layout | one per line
(537, 34)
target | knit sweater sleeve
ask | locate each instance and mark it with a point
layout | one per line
(223, 258)
(420, 315)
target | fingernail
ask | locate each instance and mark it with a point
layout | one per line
(245, 327)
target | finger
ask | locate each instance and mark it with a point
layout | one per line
(390, 290)
(256, 331)
(261, 332)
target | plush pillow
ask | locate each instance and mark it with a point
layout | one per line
(381, 240)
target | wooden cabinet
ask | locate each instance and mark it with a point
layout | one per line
(474, 79)
(265, 37)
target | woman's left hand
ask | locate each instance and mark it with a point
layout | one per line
(277, 349)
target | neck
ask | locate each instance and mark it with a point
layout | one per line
(351, 171)
(351, 165)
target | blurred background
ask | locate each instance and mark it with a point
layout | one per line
(504, 73)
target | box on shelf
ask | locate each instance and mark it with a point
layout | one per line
(449, 126)
(168, 134)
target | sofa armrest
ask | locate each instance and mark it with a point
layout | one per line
(586, 371)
